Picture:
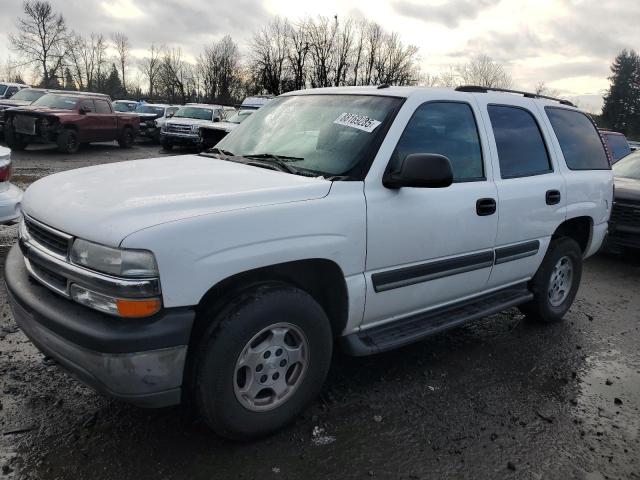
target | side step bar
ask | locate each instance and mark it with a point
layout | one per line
(416, 327)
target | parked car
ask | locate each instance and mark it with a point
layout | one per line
(212, 133)
(125, 105)
(69, 120)
(9, 89)
(624, 226)
(26, 96)
(616, 143)
(633, 145)
(184, 126)
(358, 217)
(10, 195)
(149, 114)
(255, 102)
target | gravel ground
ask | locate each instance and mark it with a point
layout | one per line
(498, 398)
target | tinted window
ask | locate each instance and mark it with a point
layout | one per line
(88, 105)
(11, 91)
(28, 95)
(578, 138)
(618, 146)
(448, 129)
(521, 149)
(3, 88)
(102, 106)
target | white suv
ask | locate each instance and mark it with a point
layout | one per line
(362, 217)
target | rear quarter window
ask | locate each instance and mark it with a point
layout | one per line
(618, 145)
(579, 140)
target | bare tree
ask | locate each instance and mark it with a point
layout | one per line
(268, 54)
(484, 71)
(218, 71)
(297, 53)
(542, 89)
(151, 68)
(41, 39)
(323, 34)
(123, 47)
(176, 78)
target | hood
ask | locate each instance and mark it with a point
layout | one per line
(226, 126)
(13, 103)
(105, 203)
(145, 117)
(189, 121)
(627, 188)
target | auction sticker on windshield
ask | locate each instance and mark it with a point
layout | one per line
(354, 120)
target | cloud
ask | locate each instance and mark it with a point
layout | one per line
(448, 13)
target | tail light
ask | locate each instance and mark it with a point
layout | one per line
(5, 169)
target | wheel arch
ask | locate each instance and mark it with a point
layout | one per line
(321, 278)
(578, 228)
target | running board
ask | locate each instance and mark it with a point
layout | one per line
(416, 327)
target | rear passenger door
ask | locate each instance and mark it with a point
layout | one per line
(107, 126)
(531, 190)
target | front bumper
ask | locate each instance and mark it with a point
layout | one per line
(138, 361)
(180, 138)
(623, 235)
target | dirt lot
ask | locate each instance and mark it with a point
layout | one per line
(499, 398)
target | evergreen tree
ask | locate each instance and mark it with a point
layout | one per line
(621, 110)
(69, 83)
(112, 84)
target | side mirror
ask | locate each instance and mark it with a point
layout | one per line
(84, 110)
(217, 119)
(170, 115)
(421, 170)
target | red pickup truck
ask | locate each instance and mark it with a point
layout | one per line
(69, 120)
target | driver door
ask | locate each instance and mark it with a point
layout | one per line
(430, 246)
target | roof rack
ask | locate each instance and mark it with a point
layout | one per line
(479, 89)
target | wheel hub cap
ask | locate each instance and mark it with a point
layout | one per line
(561, 281)
(270, 367)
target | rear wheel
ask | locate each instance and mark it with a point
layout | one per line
(556, 282)
(262, 360)
(68, 141)
(14, 140)
(126, 138)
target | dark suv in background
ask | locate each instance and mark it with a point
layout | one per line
(624, 225)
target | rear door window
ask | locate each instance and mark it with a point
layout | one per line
(579, 140)
(618, 146)
(521, 148)
(102, 106)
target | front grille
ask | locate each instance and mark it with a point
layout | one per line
(177, 128)
(625, 213)
(48, 238)
(49, 278)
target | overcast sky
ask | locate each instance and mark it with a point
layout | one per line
(568, 44)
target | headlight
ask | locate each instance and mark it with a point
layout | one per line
(114, 261)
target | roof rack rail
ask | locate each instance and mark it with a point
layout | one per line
(479, 89)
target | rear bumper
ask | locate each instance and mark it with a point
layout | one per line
(10, 204)
(141, 362)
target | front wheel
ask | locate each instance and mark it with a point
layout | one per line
(126, 138)
(14, 140)
(263, 359)
(556, 282)
(68, 141)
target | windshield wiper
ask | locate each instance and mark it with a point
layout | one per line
(280, 161)
(219, 152)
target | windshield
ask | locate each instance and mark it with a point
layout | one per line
(3, 88)
(327, 134)
(238, 117)
(618, 146)
(63, 102)
(28, 95)
(194, 112)
(150, 109)
(628, 167)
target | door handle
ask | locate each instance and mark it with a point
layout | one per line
(485, 206)
(553, 197)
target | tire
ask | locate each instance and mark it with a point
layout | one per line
(166, 145)
(126, 138)
(553, 293)
(68, 141)
(14, 140)
(218, 380)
